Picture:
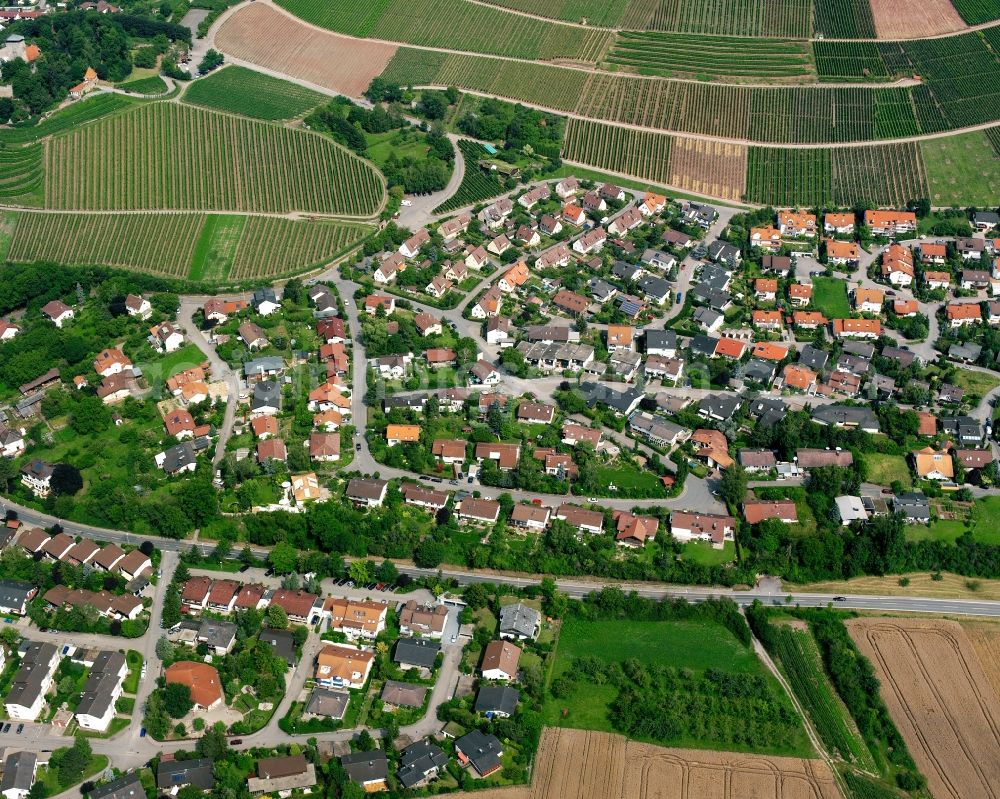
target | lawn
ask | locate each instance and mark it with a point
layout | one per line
(8, 221)
(216, 247)
(134, 660)
(704, 553)
(630, 481)
(403, 143)
(153, 84)
(978, 383)
(50, 779)
(983, 521)
(961, 170)
(883, 469)
(830, 297)
(174, 362)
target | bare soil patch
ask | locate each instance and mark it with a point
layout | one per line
(577, 764)
(941, 700)
(707, 167)
(904, 19)
(261, 34)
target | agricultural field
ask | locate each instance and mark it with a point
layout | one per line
(901, 19)
(976, 12)
(939, 696)
(252, 94)
(216, 247)
(457, 25)
(72, 117)
(477, 185)
(993, 137)
(962, 170)
(574, 764)
(848, 61)
(260, 34)
(711, 57)
(889, 174)
(794, 647)
(272, 246)
(150, 85)
(159, 243)
(598, 13)
(985, 639)
(717, 169)
(778, 18)
(21, 175)
(635, 152)
(171, 156)
(844, 19)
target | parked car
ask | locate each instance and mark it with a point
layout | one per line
(6, 727)
(20, 728)
(142, 733)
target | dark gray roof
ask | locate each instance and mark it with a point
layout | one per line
(403, 694)
(418, 760)
(520, 620)
(266, 364)
(179, 456)
(720, 405)
(325, 702)
(282, 643)
(846, 415)
(759, 371)
(969, 351)
(704, 345)
(265, 293)
(913, 505)
(98, 692)
(723, 251)
(965, 428)
(217, 633)
(863, 349)
(364, 767)
(483, 751)
(266, 393)
(813, 358)
(654, 286)
(28, 681)
(660, 340)
(707, 316)
(497, 699)
(621, 401)
(177, 773)
(601, 290)
(14, 593)
(18, 771)
(416, 652)
(853, 364)
(625, 271)
(903, 357)
(127, 786)
(413, 401)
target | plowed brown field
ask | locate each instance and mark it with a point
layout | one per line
(985, 639)
(263, 35)
(904, 19)
(576, 764)
(941, 700)
(715, 168)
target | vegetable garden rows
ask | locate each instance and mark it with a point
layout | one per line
(164, 155)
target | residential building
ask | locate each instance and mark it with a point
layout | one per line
(500, 659)
(686, 526)
(518, 622)
(480, 750)
(172, 775)
(354, 618)
(425, 620)
(200, 678)
(416, 653)
(282, 775)
(338, 665)
(370, 770)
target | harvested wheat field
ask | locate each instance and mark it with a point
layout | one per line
(941, 700)
(985, 639)
(717, 169)
(577, 764)
(904, 19)
(264, 35)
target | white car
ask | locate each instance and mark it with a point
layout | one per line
(406, 203)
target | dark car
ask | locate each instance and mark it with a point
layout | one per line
(357, 448)
(236, 742)
(6, 727)
(840, 599)
(20, 728)
(142, 733)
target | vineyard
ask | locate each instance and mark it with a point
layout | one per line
(599, 13)
(477, 185)
(270, 246)
(705, 57)
(539, 84)
(845, 61)
(718, 169)
(242, 91)
(457, 25)
(643, 154)
(159, 243)
(976, 12)
(21, 178)
(779, 18)
(169, 156)
(69, 118)
(844, 19)
(993, 136)
(800, 659)
(887, 175)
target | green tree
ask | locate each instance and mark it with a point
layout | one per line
(360, 571)
(277, 617)
(733, 485)
(387, 572)
(177, 700)
(213, 744)
(199, 500)
(429, 553)
(283, 558)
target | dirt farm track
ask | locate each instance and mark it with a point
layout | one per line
(575, 764)
(941, 699)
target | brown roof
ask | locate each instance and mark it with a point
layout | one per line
(324, 444)
(264, 425)
(580, 517)
(580, 433)
(815, 458)
(529, 513)
(250, 595)
(755, 511)
(196, 589)
(974, 458)
(273, 448)
(570, 301)
(630, 526)
(82, 551)
(484, 509)
(365, 489)
(270, 768)
(703, 523)
(57, 545)
(295, 603)
(33, 539)
(535, 412)
(223, 592)
(202, 679)
(501, 655)
(348, 613)
(928, 424)
(109, 555)
(448, 448)
(422, 616)
(508, 454)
